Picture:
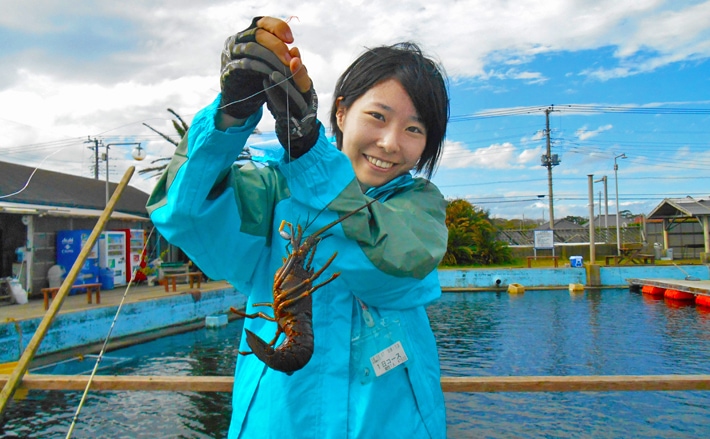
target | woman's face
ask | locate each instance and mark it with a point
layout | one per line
(382, 133)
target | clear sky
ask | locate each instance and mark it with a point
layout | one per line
(621, 77)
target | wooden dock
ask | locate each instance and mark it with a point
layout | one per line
(697, 287)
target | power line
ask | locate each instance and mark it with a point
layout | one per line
(580, 108)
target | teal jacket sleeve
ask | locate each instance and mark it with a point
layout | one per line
(197, 204)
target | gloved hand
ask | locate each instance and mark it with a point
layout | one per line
(297, 126)
(246, 64)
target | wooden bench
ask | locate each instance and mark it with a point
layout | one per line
(191, 277)
(638, 258)
(531, 258)
(88, 287)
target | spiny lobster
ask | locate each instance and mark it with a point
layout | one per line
(292, 302)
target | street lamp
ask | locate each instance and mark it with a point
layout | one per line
(616, 181)
(138, 154)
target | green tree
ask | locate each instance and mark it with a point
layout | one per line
(472, 236)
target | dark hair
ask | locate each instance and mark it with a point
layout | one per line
(422, 78)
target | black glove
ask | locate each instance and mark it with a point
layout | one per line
(245, 66)
(297, 126)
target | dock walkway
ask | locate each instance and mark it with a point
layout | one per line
(698, 287)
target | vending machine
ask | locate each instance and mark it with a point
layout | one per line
(134, 250)
(112, 255)
(69, 245)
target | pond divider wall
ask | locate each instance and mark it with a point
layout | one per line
(90, 327)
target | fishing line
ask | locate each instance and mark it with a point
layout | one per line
(106, 340)
(264, 91)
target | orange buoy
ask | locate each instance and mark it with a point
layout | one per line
(652, 290)
(678, 295)
(701, 300)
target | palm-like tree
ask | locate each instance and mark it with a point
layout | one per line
(162, 162)
(472, 236)
(181, 128)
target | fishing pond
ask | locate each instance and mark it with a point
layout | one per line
(551, 332)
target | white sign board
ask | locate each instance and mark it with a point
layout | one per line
(544, 239)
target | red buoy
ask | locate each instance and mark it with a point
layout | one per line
(678, 295)
(701, 300)
(652, 290)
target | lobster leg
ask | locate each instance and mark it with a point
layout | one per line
(306, 293)
(252, 316)
(313, 277)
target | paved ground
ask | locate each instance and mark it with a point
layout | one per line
(35, 307)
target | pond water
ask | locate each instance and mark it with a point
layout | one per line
(611, 332)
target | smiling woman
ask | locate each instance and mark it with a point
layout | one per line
(372, 367)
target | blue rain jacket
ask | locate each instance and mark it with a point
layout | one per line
(225, 217)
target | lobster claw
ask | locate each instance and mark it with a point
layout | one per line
(284, 234)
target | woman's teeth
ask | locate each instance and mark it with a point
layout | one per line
(379, 163)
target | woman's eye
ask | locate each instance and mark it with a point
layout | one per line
(377, 116)
(416, 130)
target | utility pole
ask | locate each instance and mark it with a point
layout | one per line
(549, 160)
(600, 207)
(592, 243)
(606, 204)
(606, 208)
(616, 181)
(95, 141)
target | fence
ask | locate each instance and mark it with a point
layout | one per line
(572, 236)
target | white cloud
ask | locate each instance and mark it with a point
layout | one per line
(525, 76)
(497, 156)
(585, 134)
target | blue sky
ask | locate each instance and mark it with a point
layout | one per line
(101, 69)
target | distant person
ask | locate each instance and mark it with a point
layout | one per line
(389, 117)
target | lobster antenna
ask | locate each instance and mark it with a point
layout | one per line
(339, 220)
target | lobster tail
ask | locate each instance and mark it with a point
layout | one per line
(289, 357)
